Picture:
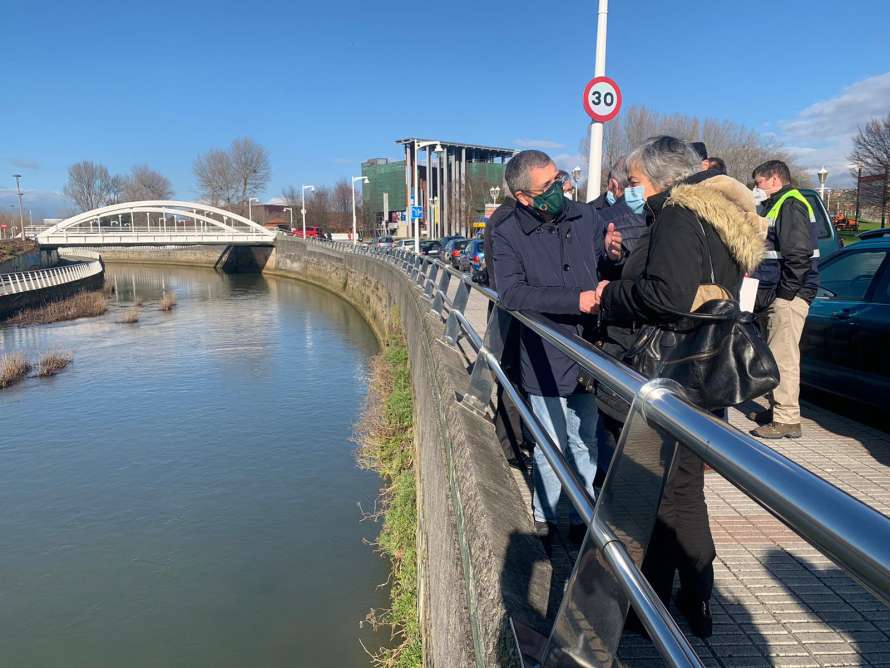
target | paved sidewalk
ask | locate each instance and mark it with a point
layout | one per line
(778, 601)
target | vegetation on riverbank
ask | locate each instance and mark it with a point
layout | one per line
(386, 444)
(79, 305)
(51, 363)
(13, 368)
(168, 301)
(130, 316)
(10, 248)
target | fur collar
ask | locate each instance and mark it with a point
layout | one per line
(727, 206)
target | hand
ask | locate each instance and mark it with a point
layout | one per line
(588, 301)
(613, 243)
(600, 288)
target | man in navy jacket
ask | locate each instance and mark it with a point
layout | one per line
(547, 256)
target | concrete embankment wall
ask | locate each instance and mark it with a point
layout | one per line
(12, 304)
(479, 560)
(40, 259)
(225, 258)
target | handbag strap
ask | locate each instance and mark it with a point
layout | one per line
(707, 249)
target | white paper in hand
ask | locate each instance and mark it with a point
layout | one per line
(748, 293)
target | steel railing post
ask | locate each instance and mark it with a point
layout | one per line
(452, 326)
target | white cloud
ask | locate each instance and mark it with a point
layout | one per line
(537, 143)
(822, 134)
(568, 161)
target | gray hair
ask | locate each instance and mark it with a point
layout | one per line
(619, 171)
(665, 160)
(517, 173)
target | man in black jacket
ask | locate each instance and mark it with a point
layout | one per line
(789, 278)
(546, 259)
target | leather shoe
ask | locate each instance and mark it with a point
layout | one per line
(697, 613)
(776, 430)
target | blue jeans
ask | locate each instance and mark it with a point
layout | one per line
(570, 421)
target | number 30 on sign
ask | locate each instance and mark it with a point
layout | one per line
(602, 99)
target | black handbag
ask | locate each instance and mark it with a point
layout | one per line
(716, 352)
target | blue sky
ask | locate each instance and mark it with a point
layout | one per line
(325, 85)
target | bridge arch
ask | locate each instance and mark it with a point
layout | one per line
(216, 226)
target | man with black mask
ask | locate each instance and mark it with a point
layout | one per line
(547, 255)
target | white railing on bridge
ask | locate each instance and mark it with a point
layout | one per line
(25, 281)
(144, 238)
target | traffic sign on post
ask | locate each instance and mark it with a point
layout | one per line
(416, 212)
(602, 99)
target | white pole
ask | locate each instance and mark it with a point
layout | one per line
(303, 209)
(416, 195)
(595, 159)
(386, 213)
(354, 232)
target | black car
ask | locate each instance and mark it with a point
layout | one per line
(844, 347)
(430, 247)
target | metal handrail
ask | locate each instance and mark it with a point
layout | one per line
(848, 531)
(25, 281)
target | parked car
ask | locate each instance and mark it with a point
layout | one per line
(431, 248)
(383, 242)
(452, 251)
(826, 233)
(405, 243)
(874, 234)
(844, 344)
(312, 232)
(470, 252)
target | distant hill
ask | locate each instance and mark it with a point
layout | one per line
(42, 203)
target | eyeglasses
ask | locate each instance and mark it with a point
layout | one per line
(561, 179)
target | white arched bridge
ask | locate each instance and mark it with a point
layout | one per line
(156, 223)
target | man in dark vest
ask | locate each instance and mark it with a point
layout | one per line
(789, 278)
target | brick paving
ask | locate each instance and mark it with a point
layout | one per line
(778, 601)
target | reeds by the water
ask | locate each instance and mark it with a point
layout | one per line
(168, 301)
(13, 368)
(51, 363)
(130, 316)
(79, 305)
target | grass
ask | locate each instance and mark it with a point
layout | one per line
(130, 316)
(79, 305)
(13, 368)
(9, 248)
(853, 237)
(386, 445)
(51, 363)
(168, 301)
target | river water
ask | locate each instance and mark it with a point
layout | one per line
(185, 493)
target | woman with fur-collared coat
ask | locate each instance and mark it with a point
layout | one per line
(696, 220)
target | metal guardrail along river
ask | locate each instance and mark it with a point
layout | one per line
(25, 281)
(606, 579)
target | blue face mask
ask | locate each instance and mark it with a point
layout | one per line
(610, 197)
(633, 197)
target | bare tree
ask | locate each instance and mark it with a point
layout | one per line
(341, 206)
(89, 185)
(318, 208)
(871, 147)
(741, 148)
(291, 196)
(250, 167)
(144, 183)
(217, 183)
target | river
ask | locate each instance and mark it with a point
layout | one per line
(185, 493)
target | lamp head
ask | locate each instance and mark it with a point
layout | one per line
(576, 174)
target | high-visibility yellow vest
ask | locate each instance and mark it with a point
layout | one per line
(771, 253)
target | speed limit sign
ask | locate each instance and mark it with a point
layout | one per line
(602, 99)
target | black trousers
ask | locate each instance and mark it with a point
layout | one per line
(507, 423)
(681, 540)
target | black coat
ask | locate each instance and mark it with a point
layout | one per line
(499, 216)
(663, 274)
(631, 225)
(541, 268)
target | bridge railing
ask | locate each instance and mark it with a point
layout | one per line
(38, 279)
(606, 576)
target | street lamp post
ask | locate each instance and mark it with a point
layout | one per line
(822, 174)
(303, 205)
(576, 178)
(250, 208)
(494, 191)
(20, 194)
(595, 157)
(355, 179)
(291, 212)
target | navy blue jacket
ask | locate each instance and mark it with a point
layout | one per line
(541, 269)
(631, 225)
